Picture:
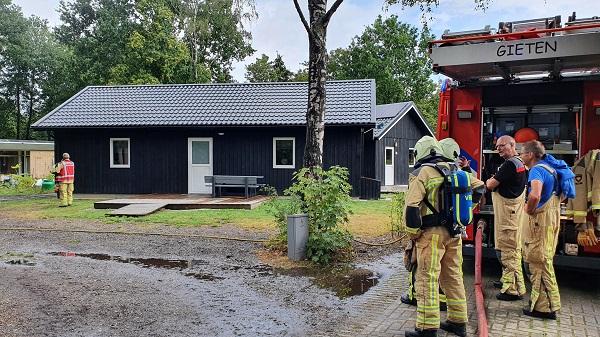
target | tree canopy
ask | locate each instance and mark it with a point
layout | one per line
(265, 70)
(101, 42)
(395, 55)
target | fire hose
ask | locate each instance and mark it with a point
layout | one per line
(479, 301)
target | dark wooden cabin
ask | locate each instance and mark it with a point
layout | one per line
(166, 138)
(399, 126)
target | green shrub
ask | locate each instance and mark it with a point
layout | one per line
(324, 195)
(19, 185)
(280, 208)
(397, 213)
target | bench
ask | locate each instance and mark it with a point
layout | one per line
(246, 182)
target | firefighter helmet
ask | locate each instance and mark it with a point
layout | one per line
(426, 146)
(450, 148)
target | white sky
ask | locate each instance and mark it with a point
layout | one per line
(278, 28)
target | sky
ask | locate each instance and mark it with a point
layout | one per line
(278, 28)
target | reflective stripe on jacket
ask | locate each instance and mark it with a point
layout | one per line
(587, 187)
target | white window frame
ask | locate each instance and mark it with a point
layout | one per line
(410, 149)
(112, 164)
(293, 165)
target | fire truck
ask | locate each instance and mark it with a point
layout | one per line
(539, 74)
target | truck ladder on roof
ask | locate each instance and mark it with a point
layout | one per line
(554, 53)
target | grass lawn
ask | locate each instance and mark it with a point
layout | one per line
(369, 218)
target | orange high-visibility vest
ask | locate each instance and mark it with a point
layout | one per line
(67, 172)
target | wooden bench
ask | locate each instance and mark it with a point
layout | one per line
(246, 182)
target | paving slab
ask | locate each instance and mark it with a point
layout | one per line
(382, 313)
(138, 209)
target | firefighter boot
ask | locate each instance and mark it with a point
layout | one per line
(407, 300)
(459, 329)
(421, 333)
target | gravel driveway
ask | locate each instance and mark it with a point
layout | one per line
(220, 288)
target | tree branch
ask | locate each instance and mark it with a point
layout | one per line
(330, 12)
(303, 19)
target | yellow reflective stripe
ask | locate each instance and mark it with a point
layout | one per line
(411, 285)
(432, 321)
(433, 283)
(451, 301)
(436, 309)
(443, 297)
(596, 206)
(457, 202)
(579, 213)
(470, 213)
(411, 230)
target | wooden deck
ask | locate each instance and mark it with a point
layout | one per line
(152, 203)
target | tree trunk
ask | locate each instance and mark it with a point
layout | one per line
(29, 117)
(18, 111)
(317, 58)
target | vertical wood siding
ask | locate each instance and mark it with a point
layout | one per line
(402, 136)
(159, 158)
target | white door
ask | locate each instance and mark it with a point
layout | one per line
(389, 166)
(200, 164)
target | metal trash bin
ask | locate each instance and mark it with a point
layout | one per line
(297, 236)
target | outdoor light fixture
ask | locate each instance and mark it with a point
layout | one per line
(220, 133)
(465, 111)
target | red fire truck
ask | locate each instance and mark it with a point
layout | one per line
(535, 74)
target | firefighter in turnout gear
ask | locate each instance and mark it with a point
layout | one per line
(451, 153)
(540, 234)
(587, 187)
(508, 197)
(66, 178)
(439, 252)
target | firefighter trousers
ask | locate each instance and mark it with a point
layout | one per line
(540, 237)
(66, 193)
(412, 292)
(509, 217)
(439, 260)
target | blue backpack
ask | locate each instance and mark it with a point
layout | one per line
(564, 178)
(456, 196)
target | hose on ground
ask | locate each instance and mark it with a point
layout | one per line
(380, 244)
(216, 237)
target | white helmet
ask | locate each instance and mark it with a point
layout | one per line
(426, 146)
(450, 148)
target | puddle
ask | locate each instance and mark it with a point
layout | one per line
(204, 276)
(344, 281)
(149, 263)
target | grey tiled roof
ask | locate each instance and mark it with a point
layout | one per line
(388, 114)
(348, 102)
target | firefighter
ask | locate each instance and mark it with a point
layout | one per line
(439, 254)
(540, 234)
(508, 199)
(65, 170)
(410, 253)
(451, 151)
(587, 187)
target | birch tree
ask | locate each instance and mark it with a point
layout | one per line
(316, 29)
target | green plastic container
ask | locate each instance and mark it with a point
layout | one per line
(47, 185)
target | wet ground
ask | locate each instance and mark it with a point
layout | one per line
(82, 284)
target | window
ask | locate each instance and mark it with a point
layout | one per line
(200, 152)
(284, 152)
(389, 156)
(411, 157)
(119, 153)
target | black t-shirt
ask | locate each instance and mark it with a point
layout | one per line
(512, 179)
